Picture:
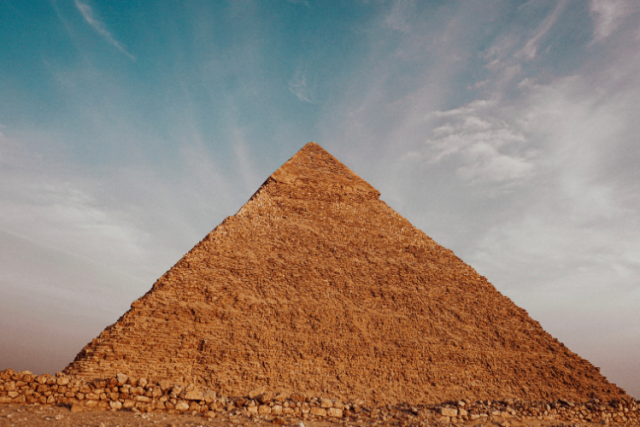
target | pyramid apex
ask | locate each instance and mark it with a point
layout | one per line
(314, 164)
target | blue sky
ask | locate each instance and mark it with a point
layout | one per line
(507, 131)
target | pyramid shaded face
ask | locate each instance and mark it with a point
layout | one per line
(318, 286)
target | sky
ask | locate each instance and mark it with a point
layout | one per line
(505, 130)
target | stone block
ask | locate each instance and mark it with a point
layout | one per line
(165, 385)
(298, 397)
(156, 392)
(209, 396)
(334, 412)
(319, 412)
(264, 410)
(256, 392)
(194, 395)
(448, 412)
(281, 397)
(182, 406)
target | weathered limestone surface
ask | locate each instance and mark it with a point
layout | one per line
(318, 286)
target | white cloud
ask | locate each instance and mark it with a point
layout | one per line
(92, 19)
(488, 148)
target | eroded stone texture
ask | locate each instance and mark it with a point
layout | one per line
(316, 285)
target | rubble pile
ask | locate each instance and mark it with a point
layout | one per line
(142, 395)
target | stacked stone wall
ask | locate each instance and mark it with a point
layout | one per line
(147, 395)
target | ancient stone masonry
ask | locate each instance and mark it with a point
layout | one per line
(318, 286)
(148, 395)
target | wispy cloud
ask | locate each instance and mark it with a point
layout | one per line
(301, 87)
(92, 19)
(530, 49)
(488, 147)
(608, 15)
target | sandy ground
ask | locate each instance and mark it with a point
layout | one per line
(37, 416)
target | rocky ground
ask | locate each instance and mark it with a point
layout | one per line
(40, 415)
(28, 400)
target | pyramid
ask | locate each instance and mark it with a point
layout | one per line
(318, 286)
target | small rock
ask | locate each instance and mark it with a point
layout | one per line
(326, 403)
(264, 410)
(334, 412)
(210, 396)
(165, 385)
(448, 412)
(298, 397)
(320, 412)
(265, 398)
(182, 406)
(122, 378)
(194, 395)
(76, 407)
(256, 392)
(157, 392)
(281, 397)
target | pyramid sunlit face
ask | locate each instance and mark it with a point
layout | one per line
(318, 285)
